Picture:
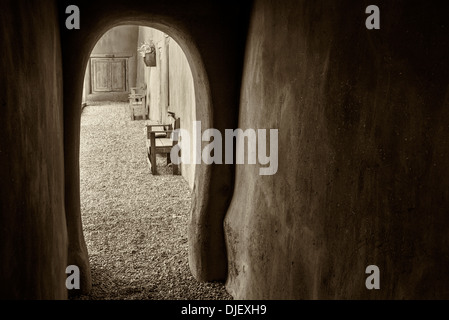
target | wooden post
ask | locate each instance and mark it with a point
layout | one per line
(153, 152)
(175, 142)
(176, 125)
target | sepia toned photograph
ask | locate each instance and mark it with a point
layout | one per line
(224, 152)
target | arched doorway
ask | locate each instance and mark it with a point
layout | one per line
(217, 75)
(135, 223)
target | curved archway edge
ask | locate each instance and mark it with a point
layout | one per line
(214, 50)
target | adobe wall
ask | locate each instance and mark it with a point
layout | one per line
(363, 152)
(120, 41)
(170, 87)
(154, 77)
(182, 102)
(33, 246)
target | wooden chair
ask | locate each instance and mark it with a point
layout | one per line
(159, 141)
(137, 103)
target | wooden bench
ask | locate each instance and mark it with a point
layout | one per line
(159, 141)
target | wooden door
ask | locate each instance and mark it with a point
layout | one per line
(100, 75)
(108, 74)
(118, 75)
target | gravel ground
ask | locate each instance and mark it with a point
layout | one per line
(135, 224)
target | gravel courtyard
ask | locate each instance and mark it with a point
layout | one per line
(135, 224)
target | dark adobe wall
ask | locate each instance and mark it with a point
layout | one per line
(33, 237)
(363, 120)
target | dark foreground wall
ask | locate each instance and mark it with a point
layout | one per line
(33, 244)
(363, 120)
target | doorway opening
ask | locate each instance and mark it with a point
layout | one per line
(135, 223)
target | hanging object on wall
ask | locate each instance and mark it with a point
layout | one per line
(148, 52)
